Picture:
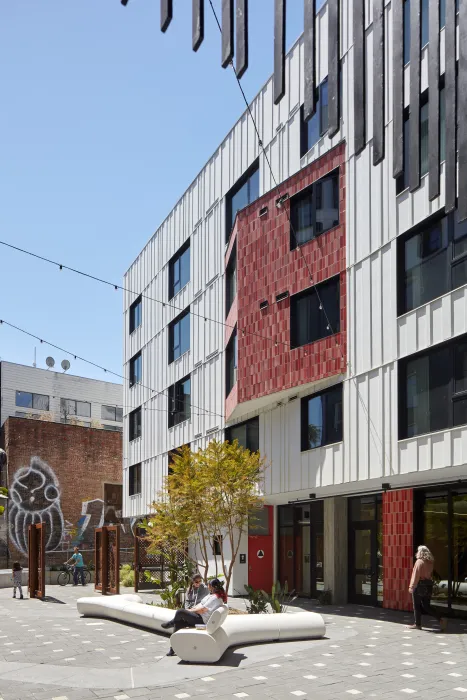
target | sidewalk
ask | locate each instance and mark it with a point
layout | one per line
(47, 652)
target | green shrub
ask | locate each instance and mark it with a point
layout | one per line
(257, 602)
(127, 576)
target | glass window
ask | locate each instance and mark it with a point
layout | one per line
(309, 322)
(322, 418)
(83, 408)
(134, 424)
(424, 139)
(246, 433)
(179, 402)
(315, 210)
(231, 364)
(433, 262)
(258, 522)
(313, 129)
(40, 401)
(433, 390)
(179, 270)
(134, 480)
(179, 336)
(24, 399)
(442, 125)
(112, 413)
(231, 280)
(243, 193)
(136, 314)
(136, 369)
(362, 509)
(67, 407)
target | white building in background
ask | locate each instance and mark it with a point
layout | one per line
(383, 378)
(29, 392)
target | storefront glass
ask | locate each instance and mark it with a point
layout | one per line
(301, 548)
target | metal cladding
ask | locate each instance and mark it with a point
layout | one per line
(455, 78)
(241, 37)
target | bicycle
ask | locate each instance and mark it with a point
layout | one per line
(66, 576)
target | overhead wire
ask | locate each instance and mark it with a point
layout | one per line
(298, 247)
(108, 371)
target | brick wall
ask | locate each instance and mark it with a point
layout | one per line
(56, 474)
(398, 548)
(266, 266)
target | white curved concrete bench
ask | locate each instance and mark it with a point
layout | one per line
(222, 630)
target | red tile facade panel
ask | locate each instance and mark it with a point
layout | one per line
(398, 548)
(266, 267)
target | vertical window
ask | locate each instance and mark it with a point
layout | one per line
(179, 336)
(231, 363)
(432, 262)
(246, 433)
(217, 545)
(322, 418)
(231, 280)
(244, 192)
(136, 369)
(179, 270)
(308, 319)
(313, 129)
(433, 389)
(134, 480)
(134, 424)
(136, 314)
(315, 210)
(442, 125)
(179, 402)
(403, 180)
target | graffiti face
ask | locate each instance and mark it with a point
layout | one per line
(35, 498)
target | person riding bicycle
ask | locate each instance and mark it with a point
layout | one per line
(78, 565)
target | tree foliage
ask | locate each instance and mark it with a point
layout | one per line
(209, 495)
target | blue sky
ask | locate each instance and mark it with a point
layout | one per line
(105, 121)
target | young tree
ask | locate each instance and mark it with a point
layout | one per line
(209, 495)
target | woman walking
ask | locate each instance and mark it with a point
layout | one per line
(421, 588)
(200, 613)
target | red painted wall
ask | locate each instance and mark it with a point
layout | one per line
(266, 267)
(261, 571)
(398, 548)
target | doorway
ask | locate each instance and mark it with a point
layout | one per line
(365, 550)
(301, 548)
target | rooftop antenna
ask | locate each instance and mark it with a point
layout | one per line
(34, 363)
(50, 362)
(65, 365)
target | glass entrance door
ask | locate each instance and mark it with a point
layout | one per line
(301, 548)
(365, 550)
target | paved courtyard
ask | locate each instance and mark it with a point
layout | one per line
(47, 652)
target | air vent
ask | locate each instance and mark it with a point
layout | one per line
(280, 201)
(263, 304)
(263, 211)
(281, 296)
(293, 398)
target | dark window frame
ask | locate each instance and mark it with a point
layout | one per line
(136, 305)
(308, 193)
(174, 260)
(134, 480)
(452, 260)
(305, 146)
(133, 364)
(172, 352)
(115, 409)
(135, 426)
(33, 394)
(305, 447)
(310, 291)
(452, 396)
(246, 177)
(76, 402)
(231, 280)
(231, 358)
(251, 425)
(175, 397)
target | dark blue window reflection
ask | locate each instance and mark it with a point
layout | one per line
(136, 310)
(179, 270)
(179, 336)
(322, 418)
(425, 28)
(317, 125)
(136, 369)
(241, 195)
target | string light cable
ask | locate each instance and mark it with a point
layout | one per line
(104, 369)
(299, 248)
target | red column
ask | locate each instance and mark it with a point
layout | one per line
(398, 548)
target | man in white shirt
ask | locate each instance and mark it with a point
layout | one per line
(200, 613)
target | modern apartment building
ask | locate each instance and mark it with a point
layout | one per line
(343, 291)
(29, 392)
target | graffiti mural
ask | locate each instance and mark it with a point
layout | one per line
(92, 516)
(35, 498)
